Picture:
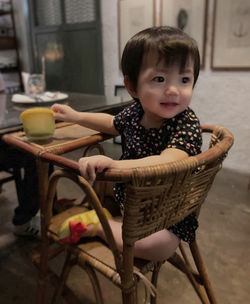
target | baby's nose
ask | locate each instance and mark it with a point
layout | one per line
(172, 90)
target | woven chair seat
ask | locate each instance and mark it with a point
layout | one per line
(94, 250)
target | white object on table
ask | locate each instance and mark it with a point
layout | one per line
(25, 78)
(45, 97)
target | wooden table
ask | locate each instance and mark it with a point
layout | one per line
(10, 121)
(67, 137)
(10, 112)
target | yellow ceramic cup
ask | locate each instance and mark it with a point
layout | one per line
(38, 123)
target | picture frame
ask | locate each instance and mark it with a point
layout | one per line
(134, 16)
(231, 35)
(190, 16)
(121, 91)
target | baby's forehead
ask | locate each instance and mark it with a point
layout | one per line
(158, 61)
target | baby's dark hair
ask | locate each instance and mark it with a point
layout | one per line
(172, 44)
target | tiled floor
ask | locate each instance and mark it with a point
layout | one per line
(223, 237)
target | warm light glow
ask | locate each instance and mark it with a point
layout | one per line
(54, 51)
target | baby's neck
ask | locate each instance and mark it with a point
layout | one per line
(150, 123)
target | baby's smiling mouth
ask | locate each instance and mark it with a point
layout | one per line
(169, 104)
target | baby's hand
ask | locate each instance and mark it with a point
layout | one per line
(89, 166)
(64, 113)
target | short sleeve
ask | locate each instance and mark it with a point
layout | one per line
(187, 135)
(125, 117)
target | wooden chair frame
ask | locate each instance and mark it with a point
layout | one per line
(156, 197)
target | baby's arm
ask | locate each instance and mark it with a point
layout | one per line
(89, 166)
(97, 121)
(167, 155)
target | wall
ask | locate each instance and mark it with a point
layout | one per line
(21, 14)
(112, 73)
(220, 98)
(12, 80)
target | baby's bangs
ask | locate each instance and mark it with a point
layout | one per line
(176, 52)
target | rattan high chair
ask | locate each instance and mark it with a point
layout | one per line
(156, 197)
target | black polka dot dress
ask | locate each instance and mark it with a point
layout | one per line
(181, 132)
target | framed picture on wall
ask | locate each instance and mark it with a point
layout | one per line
(134, 16)
(231, 35)
(190, 16)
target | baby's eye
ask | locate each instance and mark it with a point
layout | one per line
(185, 79)
(158, 79)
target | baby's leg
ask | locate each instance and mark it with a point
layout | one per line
(156, 247)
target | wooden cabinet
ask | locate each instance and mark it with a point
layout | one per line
(7, 43)
(9, 57)
(68, 35)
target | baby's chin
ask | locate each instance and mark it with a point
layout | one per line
(170, 111)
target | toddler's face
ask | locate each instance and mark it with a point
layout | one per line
(164, 91)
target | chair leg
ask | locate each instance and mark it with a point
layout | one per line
(179, 263)
(154, 280)
(42, 172)
(95, 283)
(129, 298)
(63, 277)
(202, 271)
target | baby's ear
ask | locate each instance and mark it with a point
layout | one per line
(129, 87)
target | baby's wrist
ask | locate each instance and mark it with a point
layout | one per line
(77, 117)
(117, 164)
